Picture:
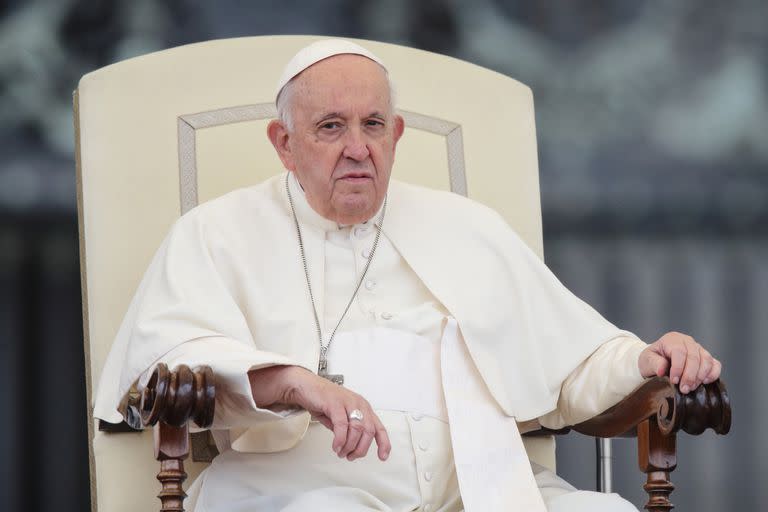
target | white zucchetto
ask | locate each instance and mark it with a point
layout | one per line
(317, 51)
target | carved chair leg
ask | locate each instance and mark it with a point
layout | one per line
(657, 457)
(171, 448)
(171, 476)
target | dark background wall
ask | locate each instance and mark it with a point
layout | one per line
(652, 120)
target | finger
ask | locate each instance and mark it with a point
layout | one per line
(705, 366)
(677, 358)
(361, 450)
(692, 363)
(662, 365)
(382, 439)
(340, 423)
(714, 373)
(354, 433)
(653, 364)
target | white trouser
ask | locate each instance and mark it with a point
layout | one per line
(419, 475)
(560, 496)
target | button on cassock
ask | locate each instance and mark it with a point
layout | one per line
(370, 284)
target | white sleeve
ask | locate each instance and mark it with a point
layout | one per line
(230, 362)
(601, 381)
(185, 310)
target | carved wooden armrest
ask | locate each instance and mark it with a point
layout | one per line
(655, 412)
(705, 407)
(169, 402)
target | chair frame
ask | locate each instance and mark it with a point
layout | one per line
(654, 413)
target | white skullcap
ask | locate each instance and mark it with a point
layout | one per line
(317, 51)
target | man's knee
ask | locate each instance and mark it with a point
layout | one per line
(583, 501)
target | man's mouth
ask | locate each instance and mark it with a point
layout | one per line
(356, 177)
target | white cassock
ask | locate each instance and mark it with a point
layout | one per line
(227, 289)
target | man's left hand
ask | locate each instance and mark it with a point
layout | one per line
(686, 362)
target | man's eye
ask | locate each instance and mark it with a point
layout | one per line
(374, 122)
(330, 126)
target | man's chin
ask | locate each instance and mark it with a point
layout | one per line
(356, 209)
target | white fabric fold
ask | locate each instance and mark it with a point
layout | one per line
(524, 330)
(604, 379)
(491, 464)
(392, 369)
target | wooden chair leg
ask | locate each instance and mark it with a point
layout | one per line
(171, 448)
(657, 457)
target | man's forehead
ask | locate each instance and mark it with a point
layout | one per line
(344, 85)
(328, 94)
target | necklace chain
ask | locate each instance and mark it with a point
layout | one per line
(324, 348)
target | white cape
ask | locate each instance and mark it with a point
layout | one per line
(229, 270)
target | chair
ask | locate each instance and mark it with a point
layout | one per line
(157, 134)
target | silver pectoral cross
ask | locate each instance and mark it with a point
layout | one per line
(322, 370)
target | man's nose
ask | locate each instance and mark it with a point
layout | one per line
(355, 145)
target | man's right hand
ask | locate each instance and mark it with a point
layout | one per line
(328, 403)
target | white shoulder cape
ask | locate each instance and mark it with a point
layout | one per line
(230, 270)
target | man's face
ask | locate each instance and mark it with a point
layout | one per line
(342, 145)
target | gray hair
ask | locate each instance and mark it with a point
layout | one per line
(284, 101)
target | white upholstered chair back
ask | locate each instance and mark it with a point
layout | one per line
(160, 133)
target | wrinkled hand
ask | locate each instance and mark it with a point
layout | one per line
(679, 356)
(328, 403)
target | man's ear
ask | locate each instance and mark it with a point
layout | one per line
(399, 128)
(279, 137)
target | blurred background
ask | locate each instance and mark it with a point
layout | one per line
(652, 121)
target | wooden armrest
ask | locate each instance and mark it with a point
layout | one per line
(546, 432)
(708, 406)
(655, 412)
(178, 397)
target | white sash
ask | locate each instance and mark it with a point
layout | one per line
(491, 463)
(400, 371)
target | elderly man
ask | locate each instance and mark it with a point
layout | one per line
(342, 312)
